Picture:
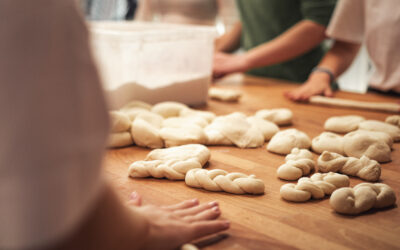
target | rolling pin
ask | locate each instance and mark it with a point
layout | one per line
(338, 102)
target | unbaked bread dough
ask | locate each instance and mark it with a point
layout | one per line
(185, 121)
(298, 163)
(280, 116)
(226, 95)
(172, 163)
(267, 128)
(121, 139)
(187, 134)
(343, 124)
(328, 141)
(316, 187)
(119, 122)
(209, 116)
(373, 125)
(362, 197)
(132, 109)
(394, 120)
(220, 180)
(145, 134)
(168, 109)
(364, 168)
(284, 141)
(360, 142)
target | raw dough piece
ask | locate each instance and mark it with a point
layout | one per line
(188, 134)
(168, 109)
(394, 120)
(343, 124)
(297, 154)
(316, 187)
(360, 142)
(364, 168)
(373, 125)
(328, 141)
(226, 95)
(280, 117)
(134, 108)
(121, 139)
(185, 121)
(268, 128)
(362, 197)
(209, 116)
(172, 163)
(119, 122)
(146, 130)
(220, 180)
(298, 163)
(284, 141)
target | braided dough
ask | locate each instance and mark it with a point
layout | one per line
(364, 168)
(298, 163)
(134, 108)
(182, 135)
(373, 125)
(168, 109)
(328, 141)
(226, 95)
(119, 122)
(394, 120)
(220, 180)
(145, 130)
(172, 163)
(317, 186)
(121, 139)
(368, 143)
(284, 141)
(280, 116)
(362, 197)
(343, 124)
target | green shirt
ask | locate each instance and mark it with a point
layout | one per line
(264, 20)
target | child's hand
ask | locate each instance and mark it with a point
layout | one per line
(317, 84)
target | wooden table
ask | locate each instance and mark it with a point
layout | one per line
(267, 221)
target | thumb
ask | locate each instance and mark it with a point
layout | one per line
(328, 92)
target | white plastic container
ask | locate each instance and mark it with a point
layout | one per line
(153, 62)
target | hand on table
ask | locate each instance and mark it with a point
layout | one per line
(227, 63)
(172, 226)
(317, 84)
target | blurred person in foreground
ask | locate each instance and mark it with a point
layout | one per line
(53, 134)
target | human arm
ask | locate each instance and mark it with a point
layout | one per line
(144, 11)
(336, 60)
(296, 41)
(230, 41)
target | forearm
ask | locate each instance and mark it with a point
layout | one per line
(296, 41)
(339, 57)
(110, 225)
(230, 41)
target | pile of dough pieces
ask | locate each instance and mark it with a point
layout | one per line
(186, 163)
(169, 124)
(358, 152)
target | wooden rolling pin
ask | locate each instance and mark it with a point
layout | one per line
(338, 102)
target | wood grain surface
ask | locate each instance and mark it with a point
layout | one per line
(267, 221)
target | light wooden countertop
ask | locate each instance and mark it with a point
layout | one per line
(267, 221)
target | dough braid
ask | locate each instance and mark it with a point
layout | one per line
(364, 168)
(316, 187)
(362, 197)
(220, 180)
(171, 169)
(298, 163)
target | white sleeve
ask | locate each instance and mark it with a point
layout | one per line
(347, 23)
(53, 123)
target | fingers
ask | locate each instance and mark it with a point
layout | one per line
(328, 92)
(135, 199)
(182, 205)
(204, 228)
(196, 209)
(208, 214)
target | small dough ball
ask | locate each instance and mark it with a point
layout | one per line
(214, 135)
(280, 117)
(209, 116)
(267, 128)
(176, 136)
(385, 137)
(119, 122)
(121, 139)
(168, 109)
(182, 153)
(343, 124)
(284, 141)
(297, 154)
(394, 120)
(328, 141)
(373, 125)
(357, 144)
(226, 95)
